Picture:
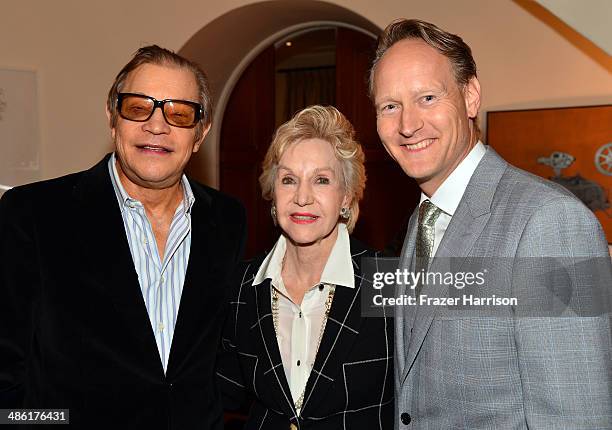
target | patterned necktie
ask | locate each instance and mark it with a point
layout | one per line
(428, 214)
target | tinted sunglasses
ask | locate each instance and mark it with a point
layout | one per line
(138, 107)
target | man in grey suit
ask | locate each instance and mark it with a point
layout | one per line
(543, 363)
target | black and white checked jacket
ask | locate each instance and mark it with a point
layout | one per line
(351, 384)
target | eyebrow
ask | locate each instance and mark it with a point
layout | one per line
(395, 95)
(318, 170)
(140, 93)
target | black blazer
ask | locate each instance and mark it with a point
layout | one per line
(74, 330)
(351, 384)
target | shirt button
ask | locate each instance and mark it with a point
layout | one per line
(405, 418)
(321, 286)
(160, 326)
(298, 362)
(163, 279)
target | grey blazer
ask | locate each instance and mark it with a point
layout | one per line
(462, 371)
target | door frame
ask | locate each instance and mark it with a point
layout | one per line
(214, 137)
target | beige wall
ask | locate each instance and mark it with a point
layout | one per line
(593, 21)
(77, 47)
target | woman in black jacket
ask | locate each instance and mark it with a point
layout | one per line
(295, 338)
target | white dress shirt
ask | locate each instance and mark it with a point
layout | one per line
(449, 194)
(299, 326)
(161, 277)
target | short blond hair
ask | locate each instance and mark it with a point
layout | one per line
(328, 124)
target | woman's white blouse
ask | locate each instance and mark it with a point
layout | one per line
(299, 327)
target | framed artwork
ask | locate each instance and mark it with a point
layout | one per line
(19, 133)
(571, 146)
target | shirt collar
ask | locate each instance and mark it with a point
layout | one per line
(337, 271)
(449, 194)
(124, 198)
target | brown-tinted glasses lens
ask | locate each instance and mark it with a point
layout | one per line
(136, 108)
(179, 113)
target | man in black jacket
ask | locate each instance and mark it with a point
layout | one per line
(95, 265)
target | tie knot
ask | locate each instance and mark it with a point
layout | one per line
(428, 213)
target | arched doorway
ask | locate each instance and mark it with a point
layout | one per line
(331, 68)
(227, 45)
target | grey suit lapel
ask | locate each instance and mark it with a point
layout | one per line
(475, 207)
(405, 314)
(465, 228)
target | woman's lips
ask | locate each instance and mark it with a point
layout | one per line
(303, 218)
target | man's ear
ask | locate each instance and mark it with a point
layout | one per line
(471, 94)
(197, 144)
(108, 116)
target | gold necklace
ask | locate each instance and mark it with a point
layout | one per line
(328, 303)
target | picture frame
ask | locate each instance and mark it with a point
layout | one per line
(19, 128)
(570, 145)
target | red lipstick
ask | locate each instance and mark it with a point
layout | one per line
(303, 218)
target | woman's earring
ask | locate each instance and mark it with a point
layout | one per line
(273, 214)
(345, 213)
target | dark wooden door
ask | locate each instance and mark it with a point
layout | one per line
(248, 125)
(390, 196)
(246, 132)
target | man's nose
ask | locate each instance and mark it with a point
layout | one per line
(157, 123)
(411, 122)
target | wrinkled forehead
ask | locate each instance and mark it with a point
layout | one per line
(162, 82)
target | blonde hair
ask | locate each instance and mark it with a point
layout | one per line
(328, 124)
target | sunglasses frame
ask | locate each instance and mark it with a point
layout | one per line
(199, 110)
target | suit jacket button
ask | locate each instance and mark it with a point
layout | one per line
(405, 418)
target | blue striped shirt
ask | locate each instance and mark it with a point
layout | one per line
(161, 281)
